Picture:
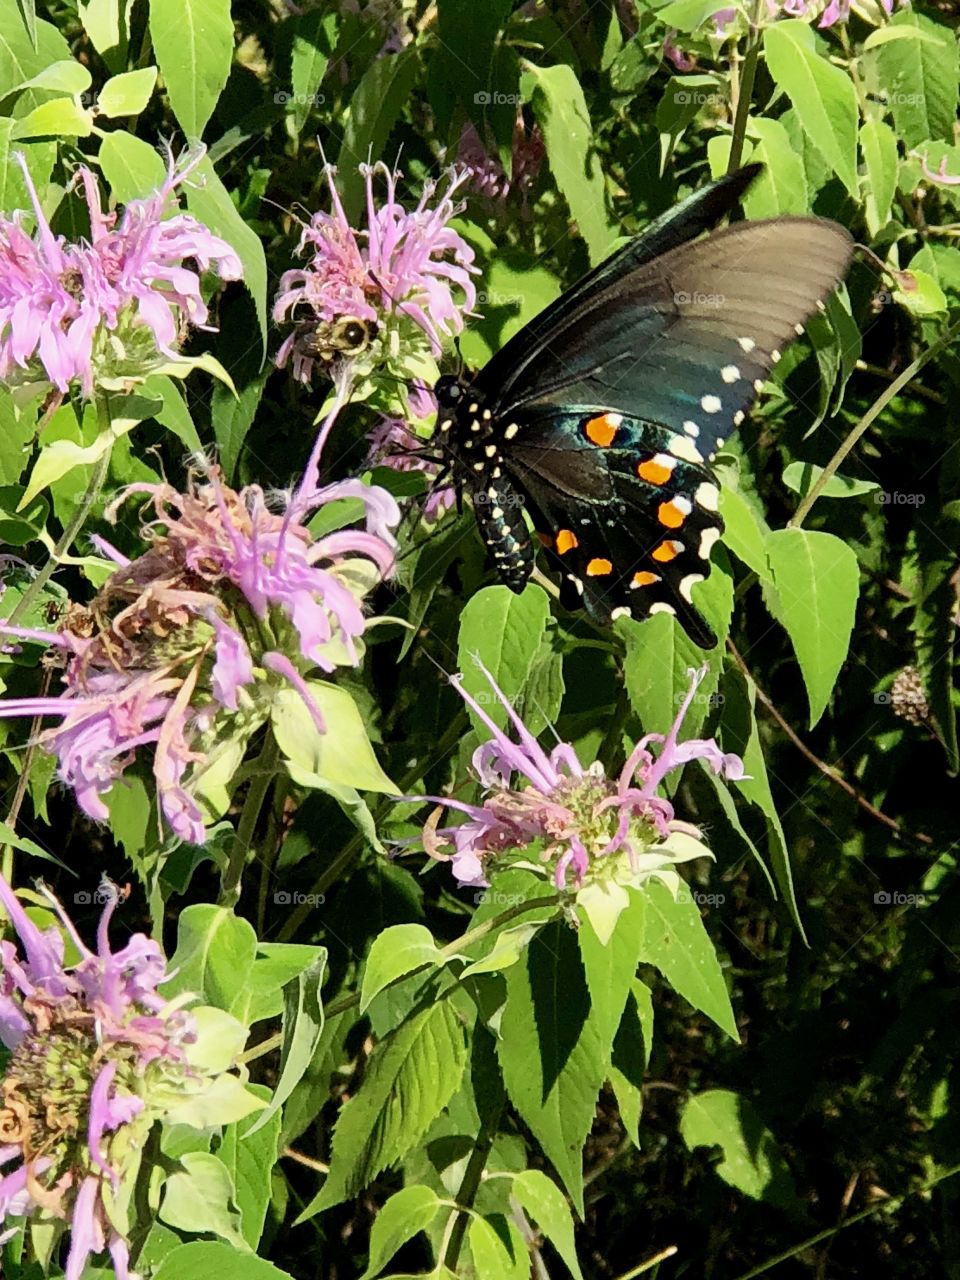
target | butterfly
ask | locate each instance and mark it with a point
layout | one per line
(601, 416)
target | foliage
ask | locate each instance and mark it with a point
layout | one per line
(749, 1065)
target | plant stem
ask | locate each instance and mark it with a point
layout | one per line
(745, 95)
(867, 421)
(264, 773)
(471, 1178)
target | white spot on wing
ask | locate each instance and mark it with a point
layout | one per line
(688, 583)
(707, 540)
(708, 496)
(738, 417)
(511, 431)
(622, 612)
(746, 344)
(691, 428)
(684, 448)
(661, 606)
(711, 404)
(730, 373)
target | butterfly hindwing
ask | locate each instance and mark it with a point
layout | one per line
(628, 521)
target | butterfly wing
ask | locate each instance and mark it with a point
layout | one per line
(629, 524)
(684, 338)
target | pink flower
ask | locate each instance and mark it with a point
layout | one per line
(59, 300)
(183, 638)
(100, 1039)
(578, 814)
(406, 270)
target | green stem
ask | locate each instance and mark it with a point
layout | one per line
(471, 1178)
(745, 96)
(867, 421)
(73, 525)
(265, 770)
(881, 1205)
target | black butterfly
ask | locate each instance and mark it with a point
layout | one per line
(601, 415)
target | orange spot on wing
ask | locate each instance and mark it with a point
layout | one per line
(669, 516)
(653, 472)
(601, 430)
(566, 541)
(644, 578)
(599, 568)
(667, 551)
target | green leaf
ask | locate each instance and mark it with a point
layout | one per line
(205, 1260)
(301, 1030)
(688, 15)
(214, 956)
(632, 1047)
(561, 110)
(878, 143)
(341, 755)
(919, 293)
(396, 951)
(542, 1201)
(39, 156)
(375, 107)
(745, 531)
(507, 949)
(920, 78)
(21, 58)
(209, 201)
(410, 1077)
(497, 1256)
(131, 166)
(314, 38)
(66, 76)
(232, 417)
(174, 414)
(553, 1050)
(752, 1162)
(61, 117)
(822, 95)
(249, 1161)
(816, 584)
(800, 477)
(659, 655)
(193, 43)
(504, 631)
(127, 94)
(676, 942)
(199, 1198)
(276, 964)
(782, 185)
(407, 1213)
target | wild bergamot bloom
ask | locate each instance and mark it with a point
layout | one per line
(109, 308)
(95, 1056)
(546, 809)
(386, 296)
(182, 650)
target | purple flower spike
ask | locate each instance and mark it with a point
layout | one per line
(59, 300)
(579, 817)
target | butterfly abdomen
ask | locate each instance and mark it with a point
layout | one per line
(498, 508)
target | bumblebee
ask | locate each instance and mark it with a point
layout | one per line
(330, 340)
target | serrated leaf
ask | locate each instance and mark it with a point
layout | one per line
(410, 1077)
(822, 95)
(408, 1212)
(249, 1161)
(199, 1198)
(375, 106)
(561, 110)
(878, 143)
(745, 531)
(920, 78)
(816, 581)
(781, 187)
(676, 942)
(193, 43)
(632, 1047)
(504, 631)
(497, 1256)
(314, 39)
(204, 1259)
(542, 1200)
(397, 951)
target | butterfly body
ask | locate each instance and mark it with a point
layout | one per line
(602, 416)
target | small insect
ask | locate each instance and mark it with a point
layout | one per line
(330, 340)
(602, 417)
